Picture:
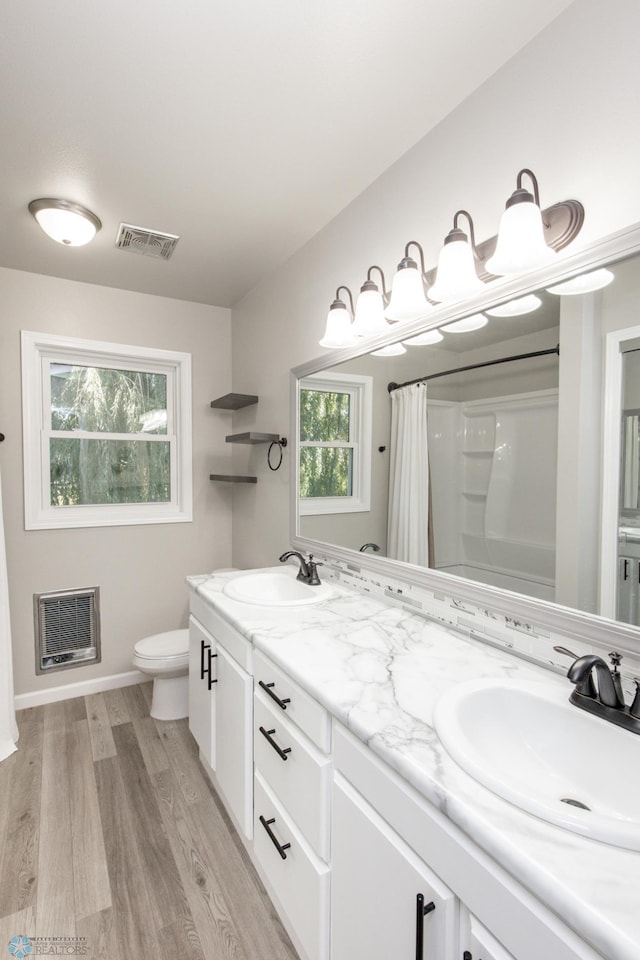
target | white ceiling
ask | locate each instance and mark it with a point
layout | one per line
(243, 127)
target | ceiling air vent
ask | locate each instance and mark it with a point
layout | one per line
(149, 243)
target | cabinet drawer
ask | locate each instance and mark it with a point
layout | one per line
(297, 880)
(299, 707)
(298, 774)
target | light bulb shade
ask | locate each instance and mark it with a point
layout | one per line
(408, 300)
(65, 222)
(467, 324)
(521, 245)
(338, 330)
(369, 320)
(585, 283)
(424, 339)
(393, 350)
(456, 278)
(516, 308)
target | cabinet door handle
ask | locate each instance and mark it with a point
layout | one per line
(625, 569)
(280, 847)
(203, 647)
(422, 909)
(267, 689)
(210, 679)
(267, 734)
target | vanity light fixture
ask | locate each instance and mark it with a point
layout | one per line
(517, 307)
(393, 350)
(475, 322)
(369, 320)
(521, 245)
(456, 277)
(585, 283)
(408, 300)
(65, 222)
(338, 330)
(424, 339)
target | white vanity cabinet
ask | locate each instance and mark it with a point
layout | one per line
(385, 902)
(292, 805)
(221, 708)
(477, 943)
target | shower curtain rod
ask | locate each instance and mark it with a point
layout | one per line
(474, 366)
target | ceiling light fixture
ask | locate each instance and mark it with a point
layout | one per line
(456, 277)
(521, 245)
(393, 350)
(408, 300)
(424, 339)
(65, 222)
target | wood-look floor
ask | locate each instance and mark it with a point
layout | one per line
(110, 831)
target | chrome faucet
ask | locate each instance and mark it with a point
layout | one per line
(605, 699)
(308, 572)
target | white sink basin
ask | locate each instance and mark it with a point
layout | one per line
(274, 590)
(529, 745)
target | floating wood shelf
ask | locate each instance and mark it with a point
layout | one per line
(252, 437)
(231, 478)
(234, 401)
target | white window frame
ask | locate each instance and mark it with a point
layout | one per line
(39, 350)
(360, 389)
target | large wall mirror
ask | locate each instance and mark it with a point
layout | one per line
(517, 448)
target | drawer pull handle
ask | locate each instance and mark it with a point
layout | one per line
(267, 689)
(280, 847)
(422, 909)
(282, 753)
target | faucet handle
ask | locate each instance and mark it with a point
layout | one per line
(616, 659)
(634, 709)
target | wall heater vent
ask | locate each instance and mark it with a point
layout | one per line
(67, 628)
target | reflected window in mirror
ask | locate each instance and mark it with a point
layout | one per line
(334, 450)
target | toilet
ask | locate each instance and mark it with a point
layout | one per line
(165, 657)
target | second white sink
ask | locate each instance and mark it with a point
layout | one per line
(529, 745)
(278, 589)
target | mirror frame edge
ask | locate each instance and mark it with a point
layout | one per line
(591, 628)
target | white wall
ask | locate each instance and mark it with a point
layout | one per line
(566, 106)
(140, 569)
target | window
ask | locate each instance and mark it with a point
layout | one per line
(107, 433)
(334, 443)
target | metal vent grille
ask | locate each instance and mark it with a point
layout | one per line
(67, 628)
(148, 243)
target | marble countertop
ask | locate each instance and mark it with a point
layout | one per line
(380, 671)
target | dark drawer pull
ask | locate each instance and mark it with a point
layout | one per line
(280, 847)
(422, 909)
(267, 689)
(279, 750)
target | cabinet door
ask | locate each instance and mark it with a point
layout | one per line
(202, 673)
(233, 739)
(376, 884)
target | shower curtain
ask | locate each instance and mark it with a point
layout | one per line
(408, 521)
(8, 728)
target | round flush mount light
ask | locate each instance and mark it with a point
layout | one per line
(65, 222)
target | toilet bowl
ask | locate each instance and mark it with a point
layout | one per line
(165, 657)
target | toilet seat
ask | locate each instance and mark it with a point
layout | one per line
(173, 645)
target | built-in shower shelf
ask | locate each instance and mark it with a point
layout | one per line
(232, 478)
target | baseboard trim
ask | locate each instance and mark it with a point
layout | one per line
(53, 694)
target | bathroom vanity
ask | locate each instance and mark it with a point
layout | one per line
(315, 724)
